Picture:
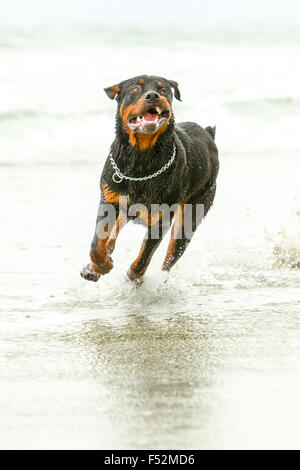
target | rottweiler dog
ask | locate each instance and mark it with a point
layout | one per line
(153, 163)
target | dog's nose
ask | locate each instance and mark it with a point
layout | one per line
(151, 96)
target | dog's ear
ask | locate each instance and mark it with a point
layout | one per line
(113, 91)
(174, 85)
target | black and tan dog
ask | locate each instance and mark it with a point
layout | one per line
(147, 141)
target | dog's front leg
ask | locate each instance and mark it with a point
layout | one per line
(107, 230)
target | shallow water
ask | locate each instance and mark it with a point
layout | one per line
(208, 359)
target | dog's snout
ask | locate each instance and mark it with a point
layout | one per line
(151, 96)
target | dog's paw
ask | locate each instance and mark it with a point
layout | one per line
(89, 274)
(102, 264)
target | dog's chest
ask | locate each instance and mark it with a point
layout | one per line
(150, 192)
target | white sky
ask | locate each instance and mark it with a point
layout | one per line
(97, 10)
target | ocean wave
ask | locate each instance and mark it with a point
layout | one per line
(147, 33)
(266, 107)
(21, 114)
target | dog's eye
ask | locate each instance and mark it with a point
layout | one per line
(162, 91)
(136, 89)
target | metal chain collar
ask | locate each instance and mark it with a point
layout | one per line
(118, 176)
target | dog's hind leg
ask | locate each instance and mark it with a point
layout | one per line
(185, 224)
(178, 241)
(149, 246)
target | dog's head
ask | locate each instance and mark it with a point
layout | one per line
(144, 107)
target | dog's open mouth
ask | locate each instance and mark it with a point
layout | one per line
(150, 121)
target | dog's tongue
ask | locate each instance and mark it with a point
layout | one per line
(150, 117)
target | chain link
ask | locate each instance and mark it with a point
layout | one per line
(118, 176)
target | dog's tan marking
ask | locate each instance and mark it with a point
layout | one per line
(109, 196)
